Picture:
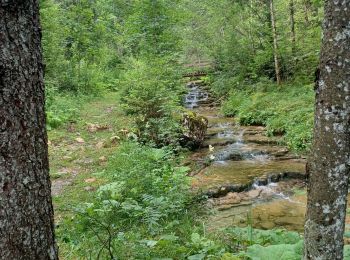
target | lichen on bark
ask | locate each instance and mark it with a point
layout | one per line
(329, 163)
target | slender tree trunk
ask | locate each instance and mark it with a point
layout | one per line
(292, 25)
(26, 212)
(275, 44)
(329, 164)
(251, 36)
(307, 5)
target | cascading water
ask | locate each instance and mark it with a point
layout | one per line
(238, 155)
(194, 96)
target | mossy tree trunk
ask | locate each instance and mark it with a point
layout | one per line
(26, 212)
(329, 164)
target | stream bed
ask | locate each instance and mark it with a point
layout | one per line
(248, 177)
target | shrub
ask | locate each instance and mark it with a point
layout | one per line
(151, 93)
(61, 108)
(287, 111)
(144, 194)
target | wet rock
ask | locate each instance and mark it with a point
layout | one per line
(195, 128)
(253, 194)
(254, 130)
(218, 142)
(264, 224)
(221, 178)
(230, 198)
(282, 152)
(261, 139)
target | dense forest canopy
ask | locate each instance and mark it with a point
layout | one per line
(90, 46)
(235, 35)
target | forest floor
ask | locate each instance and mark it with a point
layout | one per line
(80, 150)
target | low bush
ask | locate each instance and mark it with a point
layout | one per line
(61, 108)
(151, 93)
(141, 212)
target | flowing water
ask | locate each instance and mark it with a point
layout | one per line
(251, 177)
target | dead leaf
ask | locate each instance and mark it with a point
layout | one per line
(103, 159)
(90, 180)
(80, 140)
(99, 145)
(92, 128)
(114, 139)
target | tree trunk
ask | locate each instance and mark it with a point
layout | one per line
(329, 163)
(306, 11)
(275, 44)
(26, 212)
(292, 25)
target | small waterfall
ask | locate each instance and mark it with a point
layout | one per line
(270, 188)
(225, 134)
(194, 96)
(259, 157)
(239, 137)
(239, 150)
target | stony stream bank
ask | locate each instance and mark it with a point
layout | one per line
(248, 177)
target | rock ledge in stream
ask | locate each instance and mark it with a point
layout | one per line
(262, 181)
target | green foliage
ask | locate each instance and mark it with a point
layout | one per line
(346, 252)
(89, 44)
(80, 51)
(151, 93)
(287, 110)
(237, 37)
(151, 29)
(145, 170)
(282, 252)
(142, 210)
(262, 237)
(62, 108)
(143, 191)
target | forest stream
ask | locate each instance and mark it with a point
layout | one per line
(251, 178)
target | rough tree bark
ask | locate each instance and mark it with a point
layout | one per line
(275, 44)
(329, 164)
(26, 212)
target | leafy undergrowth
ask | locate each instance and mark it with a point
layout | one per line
(135, 205)
(79, 149)
(117, 199)
(63, 107)
(286, 110)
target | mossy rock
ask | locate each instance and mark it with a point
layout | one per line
(194, 129)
